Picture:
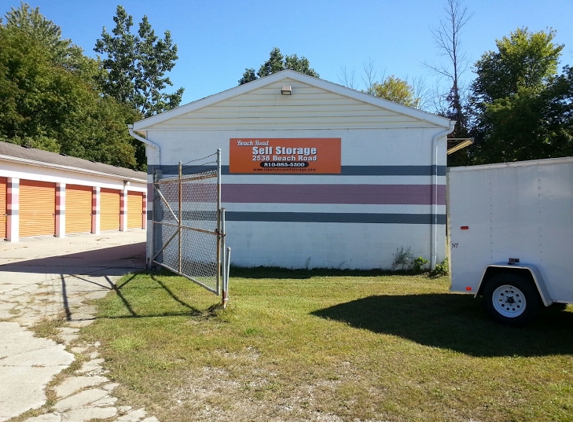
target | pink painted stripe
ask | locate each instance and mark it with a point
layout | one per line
(60, 205)
(95, 208)
(122, 202)
(12, 197)
(332, 194)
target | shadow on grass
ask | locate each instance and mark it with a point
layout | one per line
(187, 310)
(303, 274)
(455, 322)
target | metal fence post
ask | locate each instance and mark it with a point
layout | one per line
(180, 213)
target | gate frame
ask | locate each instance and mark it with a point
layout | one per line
(223, 253)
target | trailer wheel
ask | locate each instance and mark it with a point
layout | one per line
(511, 300)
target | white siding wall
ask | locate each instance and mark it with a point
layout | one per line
(323, 244)
(307, 108)
(384, 143)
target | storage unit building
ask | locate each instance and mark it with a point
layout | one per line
(47, 194)
(314, 174)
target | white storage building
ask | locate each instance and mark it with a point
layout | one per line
(314, 174)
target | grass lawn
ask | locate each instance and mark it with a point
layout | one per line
(349, 346)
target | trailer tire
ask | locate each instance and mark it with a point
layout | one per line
(511, 300)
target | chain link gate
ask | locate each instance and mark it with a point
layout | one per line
(189, 226)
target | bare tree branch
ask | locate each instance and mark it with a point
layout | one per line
(447, 38)
(348, 79)
(369, 77)
(421, 92)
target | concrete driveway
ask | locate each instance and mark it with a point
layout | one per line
(44, 279)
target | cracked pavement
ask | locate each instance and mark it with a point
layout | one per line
(45, 279)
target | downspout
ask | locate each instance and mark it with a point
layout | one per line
(434, 231)
(146, 142)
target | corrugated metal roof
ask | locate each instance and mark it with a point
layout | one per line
(8, 150)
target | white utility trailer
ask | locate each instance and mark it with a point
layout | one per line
(511, 234)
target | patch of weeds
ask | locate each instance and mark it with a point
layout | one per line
(442, 269)
(402, 259)
(419, 265)
(123, 344)
(32, 413)
(76, 365)
(251, 331)
(223, 314)
(405, 261)
(49, 328)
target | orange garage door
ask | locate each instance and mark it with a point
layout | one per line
(134, 210)
(78, 209)
(3, 183)
(109, 209)
(37, 208)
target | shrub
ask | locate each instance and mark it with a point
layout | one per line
(419, 264)
(441, 269)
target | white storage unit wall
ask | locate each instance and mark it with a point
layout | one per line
(371, 181)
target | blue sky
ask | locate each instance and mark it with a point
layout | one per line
(218, 39)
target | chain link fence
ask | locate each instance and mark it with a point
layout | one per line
(189, 225)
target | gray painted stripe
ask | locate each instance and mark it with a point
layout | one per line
(325, 217)
(345, 170)
(392, 170)
(331, 194)
(307, 217)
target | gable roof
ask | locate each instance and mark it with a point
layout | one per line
(288, 76)
(32, 156)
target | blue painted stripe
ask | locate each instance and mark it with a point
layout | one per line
(173, 170)
(307, 217)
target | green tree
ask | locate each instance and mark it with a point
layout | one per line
(32, 22)
(557, 118)
(276, 63)
(396, 90)
(62, 51)
(517, 98)
(136, 65)
(48, 106)
(26, 73)
(524, 60)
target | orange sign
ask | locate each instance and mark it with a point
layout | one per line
(285, 155)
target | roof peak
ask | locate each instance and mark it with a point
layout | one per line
(299, 77)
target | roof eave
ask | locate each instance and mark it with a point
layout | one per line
(27, 161)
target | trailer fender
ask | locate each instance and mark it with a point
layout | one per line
(531, 270)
